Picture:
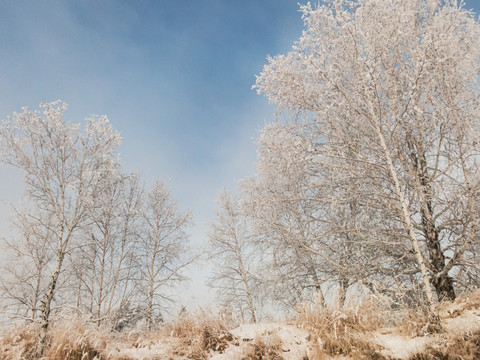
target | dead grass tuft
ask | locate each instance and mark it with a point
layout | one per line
(471, 301)
(67, 340)
(451, 309)
(344, 331)
(76, 340)
(19, 342)
(268, 348)
(419, 322)
(201, 333)
(458, 347)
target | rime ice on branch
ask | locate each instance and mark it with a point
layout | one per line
(387, 94)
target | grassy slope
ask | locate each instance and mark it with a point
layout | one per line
(356, 332)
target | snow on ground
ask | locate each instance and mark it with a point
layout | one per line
(294, 344)
(162, 349)
(288, 341)
(400, 346)
(459, 317)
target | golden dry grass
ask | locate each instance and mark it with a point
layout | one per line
(419, 322)
(19, 342)
(454, 347)
(77, 340)
(348, 332)
(67, 340)
(267, 348)
(200, 333)
(344, 331)
(192, 335)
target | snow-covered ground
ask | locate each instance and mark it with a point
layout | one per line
(208, 338)
(292, 341)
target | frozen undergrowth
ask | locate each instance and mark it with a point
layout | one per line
(356, 332)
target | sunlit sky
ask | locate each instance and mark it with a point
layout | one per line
(174, 78)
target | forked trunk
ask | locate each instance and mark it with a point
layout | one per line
(441, 281)
(405, 216)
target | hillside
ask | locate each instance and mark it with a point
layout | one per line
(356, 332)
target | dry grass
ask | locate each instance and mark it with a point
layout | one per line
(76, 340)
(201, 333)
(471, 301)
(454, 345)
(344, 331)
(457, 347)
(67, 340)
(19, 342)
(451, 309)
(265, 348)
(349, 332)
(193, 336)
(419, 322)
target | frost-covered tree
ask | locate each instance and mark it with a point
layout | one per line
(283, 216)
(305, 223)
(388, 92)
(27, 265)
(232, 255)
(64, 170)
(106, 267)
(163, 249)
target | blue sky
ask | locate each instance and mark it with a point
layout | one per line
(174, 77)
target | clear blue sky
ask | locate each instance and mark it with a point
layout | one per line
(174, 77)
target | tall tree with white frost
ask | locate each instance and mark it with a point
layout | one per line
(283, 215)
(28, 262)
(399, 79)
(163, 242)
(107, 265)
(231, 252)
(64, 169)
(305, 216)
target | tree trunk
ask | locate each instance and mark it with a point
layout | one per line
(36, 296)
(100, 285)
(405, 216)
(342, 292)
(150, 306)
(118, 269)
(318, 288)
(46, 305)
(443, 284)
(247, 290)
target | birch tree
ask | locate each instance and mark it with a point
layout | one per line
(232, 255)
(106, 266)
(399, 79)
(64, 168)
(125, 265)
(283, 216)
(163, 252)
(309, 225)
(28, 261)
